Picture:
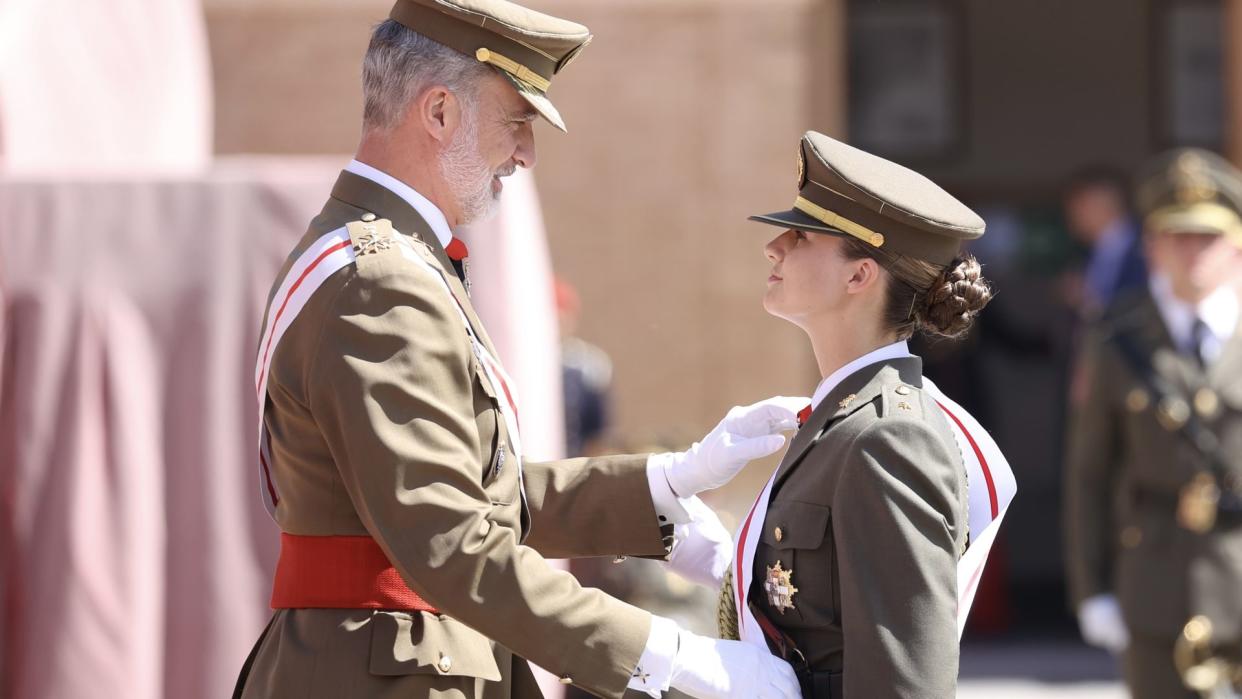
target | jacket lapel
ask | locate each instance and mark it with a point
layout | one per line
(855, 391)
(364, 194)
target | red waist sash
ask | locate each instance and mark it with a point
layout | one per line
(339, 572)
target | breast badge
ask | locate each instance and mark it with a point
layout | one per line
(780, 589)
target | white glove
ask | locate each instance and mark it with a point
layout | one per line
(1099, 618)
(746, 433)
(702, 547)
(712, 669)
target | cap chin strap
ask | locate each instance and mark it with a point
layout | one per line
(831, 218)
(514, 68)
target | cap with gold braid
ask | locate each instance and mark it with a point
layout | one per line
(527, 47)
(846, 191)
(1190, 190)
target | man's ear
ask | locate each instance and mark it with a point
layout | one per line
(438, 111)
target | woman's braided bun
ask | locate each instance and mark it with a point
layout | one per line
(955, 298)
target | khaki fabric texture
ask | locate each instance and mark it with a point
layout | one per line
(383, 423)
(1125, 469)
(873, 519)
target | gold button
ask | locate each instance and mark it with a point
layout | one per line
(483, 55)
(1174, 412)
(445, 664)
(778, 533)
(1131, 537)
(902, 390)
(566, 679)
(876, 240)
(1137, 400)
(368, 217)
(1207, 403)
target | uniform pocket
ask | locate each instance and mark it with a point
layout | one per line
(798, 536)
(422, 643)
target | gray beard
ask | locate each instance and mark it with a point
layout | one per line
(468, 176)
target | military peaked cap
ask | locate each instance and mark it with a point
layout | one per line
(845, 191)
(1190, 190)
(527, 47)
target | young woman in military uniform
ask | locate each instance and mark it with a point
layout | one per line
(848, 563)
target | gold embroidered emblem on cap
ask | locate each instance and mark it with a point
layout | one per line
(513, 68)
(838, 221)
(780, 589)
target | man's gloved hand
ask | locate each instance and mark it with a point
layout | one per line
(1102, 625)
(746, 433)
(713, 669)
(702, 547)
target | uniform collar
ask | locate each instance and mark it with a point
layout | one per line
(887, 352)
(430, 212)
(1219, 311)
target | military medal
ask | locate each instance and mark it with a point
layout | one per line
(779, 587)
(1197, 504)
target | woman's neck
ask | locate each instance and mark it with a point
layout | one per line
(838, 343)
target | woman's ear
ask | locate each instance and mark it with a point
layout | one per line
(865, 274)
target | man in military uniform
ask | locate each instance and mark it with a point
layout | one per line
(1153, 515)
(413, 534)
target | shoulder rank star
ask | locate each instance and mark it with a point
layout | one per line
(780, 589)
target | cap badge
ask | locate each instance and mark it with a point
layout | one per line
(1192, 181)
(780, 589)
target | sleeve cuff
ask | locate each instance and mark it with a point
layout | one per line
(669, 508)
(655, 668)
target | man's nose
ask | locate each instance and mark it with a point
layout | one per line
(524, 155)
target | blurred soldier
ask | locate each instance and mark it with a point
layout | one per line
(1097, 215)
(1153, 516)
(412, 531)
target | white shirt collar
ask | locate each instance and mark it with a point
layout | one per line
(1219, 311)
(430, 212)
(896, 350)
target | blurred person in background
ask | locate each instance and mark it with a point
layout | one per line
(1153, 501)
(413, 534)
(1098, 216)
(848, 563)
(586, 380)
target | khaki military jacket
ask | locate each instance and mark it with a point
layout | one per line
(869, 511)
(1126, 465)
(383, 423)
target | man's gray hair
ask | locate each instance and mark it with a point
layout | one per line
(400, 63)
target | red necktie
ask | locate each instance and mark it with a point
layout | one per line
(457, 250)
(457, 253)
(804, 415)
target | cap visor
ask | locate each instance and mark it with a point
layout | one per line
(797, 220)
(538, 100)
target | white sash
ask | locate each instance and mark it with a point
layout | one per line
(321, 260)
(991, 487)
